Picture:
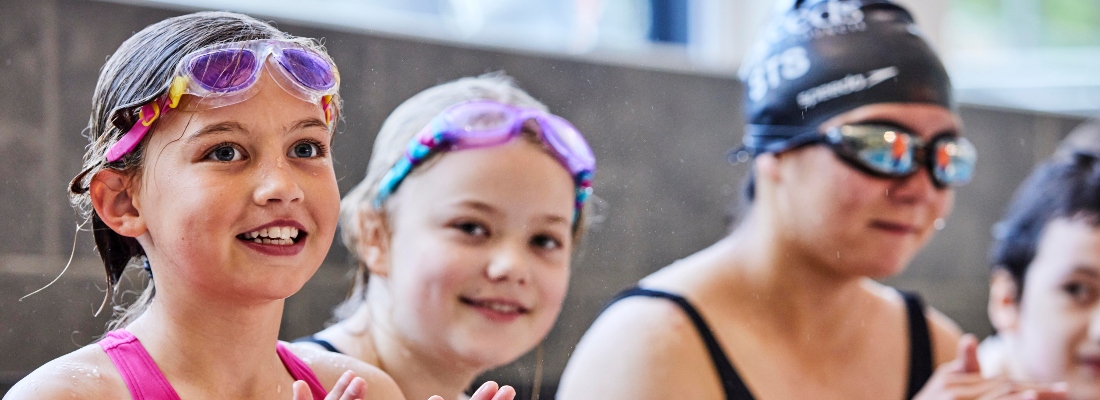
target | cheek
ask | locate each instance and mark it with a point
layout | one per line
(430, 273)
(553, 283)
(1050, 334)
(827, 194)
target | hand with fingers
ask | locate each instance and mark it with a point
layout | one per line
(348, 387)
(489, 391)
(962, 379)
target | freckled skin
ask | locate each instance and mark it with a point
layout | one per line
(214, 322)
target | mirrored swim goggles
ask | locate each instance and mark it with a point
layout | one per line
(226, 74)
(485, 123)
(888, 151)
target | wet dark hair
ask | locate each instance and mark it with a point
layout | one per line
(1062, 188)
(137, 73)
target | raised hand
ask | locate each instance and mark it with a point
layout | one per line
(962, 379)
(489, 391)
(348, 387)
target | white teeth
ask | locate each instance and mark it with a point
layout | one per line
(280, 235)
(500, 307)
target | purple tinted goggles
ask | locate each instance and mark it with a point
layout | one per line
(226, 74)
(486, 123)
(223, 74)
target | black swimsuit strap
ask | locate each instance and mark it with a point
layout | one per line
(320, 342)
(732, 385)
(920, 345)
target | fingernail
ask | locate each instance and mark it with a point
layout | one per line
(357, 387)
(484, 388)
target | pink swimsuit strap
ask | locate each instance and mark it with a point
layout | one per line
(300, 371)
(146, 382)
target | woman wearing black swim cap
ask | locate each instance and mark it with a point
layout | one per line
(855, 146)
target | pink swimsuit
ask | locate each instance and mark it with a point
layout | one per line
(146, 382)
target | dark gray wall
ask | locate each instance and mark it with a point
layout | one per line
(660, 137)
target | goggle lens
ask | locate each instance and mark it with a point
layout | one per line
(224, 70)
(888, 151)
(308, 68)
(482, 123)
(954, 160)
(884, 150)
(568, 142)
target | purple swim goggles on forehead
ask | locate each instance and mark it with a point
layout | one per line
(486, 123)
(226, 74)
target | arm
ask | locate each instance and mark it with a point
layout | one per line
(640, 348)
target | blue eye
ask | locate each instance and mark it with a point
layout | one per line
(305, 150)
(224, 153)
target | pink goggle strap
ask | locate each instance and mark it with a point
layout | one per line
(147, 116)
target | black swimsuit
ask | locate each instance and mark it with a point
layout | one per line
(920, 344)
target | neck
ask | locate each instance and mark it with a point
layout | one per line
(216, 347)
(790, 286)
(419, 372)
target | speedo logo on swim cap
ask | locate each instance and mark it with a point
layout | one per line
(833, 17)
(844, 86)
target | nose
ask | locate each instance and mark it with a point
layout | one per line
(277, 184)
(914, 189)
(1094, 325)
(509, 265)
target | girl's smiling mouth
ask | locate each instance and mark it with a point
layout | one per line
(277, 238)
(497, 310)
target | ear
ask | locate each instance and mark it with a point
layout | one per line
(374, 242)
(766, 166)
(113, 199)
(1004, 310)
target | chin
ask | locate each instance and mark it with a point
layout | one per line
(491, 351)
(875, 269)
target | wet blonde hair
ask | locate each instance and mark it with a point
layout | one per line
(399, 128)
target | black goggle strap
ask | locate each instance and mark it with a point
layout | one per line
(760, 139)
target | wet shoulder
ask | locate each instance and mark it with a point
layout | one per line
(641, 348)
(945, 335)
(944, 332)
(328, 367)
(86, 373)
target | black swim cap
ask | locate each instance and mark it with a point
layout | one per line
(822, 58)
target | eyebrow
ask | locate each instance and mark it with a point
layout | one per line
(233, 126)
(554, 219)
(1087, 269)
(479, 206)
(216, 129)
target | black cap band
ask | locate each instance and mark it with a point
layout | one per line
(825, 57)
